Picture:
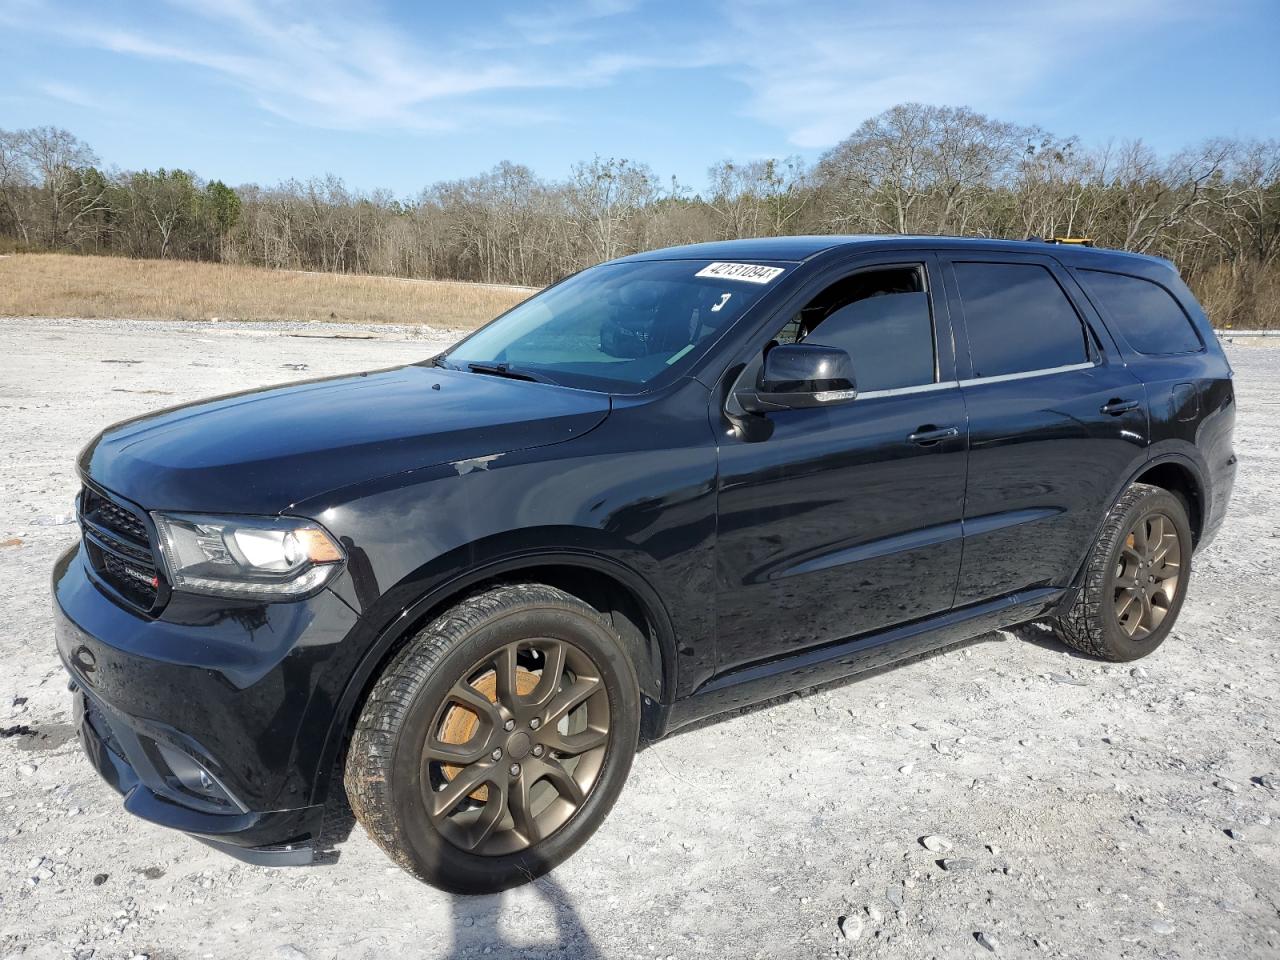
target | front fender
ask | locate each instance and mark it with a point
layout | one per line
(453, 575)
(383, 630)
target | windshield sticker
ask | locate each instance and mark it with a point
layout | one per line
(750, 272)
(724, 298)
(687, 348)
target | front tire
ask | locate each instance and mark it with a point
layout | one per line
(497, 740)
(1135, 578)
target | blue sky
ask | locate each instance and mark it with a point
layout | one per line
(401, 95)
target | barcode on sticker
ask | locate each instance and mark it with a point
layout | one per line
(750, 272)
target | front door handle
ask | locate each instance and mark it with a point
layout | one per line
(928, 435)
(1115, 406)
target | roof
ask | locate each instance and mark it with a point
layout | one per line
(798, 249)
(789, 249)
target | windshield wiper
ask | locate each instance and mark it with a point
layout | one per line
(506, 370)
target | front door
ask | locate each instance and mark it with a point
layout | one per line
(843, 520)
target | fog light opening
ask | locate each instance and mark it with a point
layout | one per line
(185, 773)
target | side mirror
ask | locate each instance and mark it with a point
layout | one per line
(799, 375)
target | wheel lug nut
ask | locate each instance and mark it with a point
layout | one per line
(515, 769)
(537, 750)
(497, 755)
(535, 723)
(509, 726)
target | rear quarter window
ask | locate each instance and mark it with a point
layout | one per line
(1144, 313)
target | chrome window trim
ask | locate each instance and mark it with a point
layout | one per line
(1027, 374)
(974, 381)
(904, 391)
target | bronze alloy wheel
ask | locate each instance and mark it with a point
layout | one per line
(1134, 579)
(516, 747)
(1148, 576)
(496, 740)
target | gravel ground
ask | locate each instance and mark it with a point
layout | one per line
(1071, 808)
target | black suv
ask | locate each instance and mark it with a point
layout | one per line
(665, 487)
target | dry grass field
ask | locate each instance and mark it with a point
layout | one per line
(62, 285)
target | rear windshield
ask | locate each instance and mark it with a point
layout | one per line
(619, 326)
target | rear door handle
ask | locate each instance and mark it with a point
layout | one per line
(928, 435)
(1116, 406)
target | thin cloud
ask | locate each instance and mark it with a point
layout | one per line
(817, 72)
(329, 67)
(562, 23)
(72, 95)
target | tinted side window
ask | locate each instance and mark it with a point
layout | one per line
(1144, 313)
(1018, 319)
(881, 318)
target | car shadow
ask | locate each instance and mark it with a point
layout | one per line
(1040, 634)
(474, 920)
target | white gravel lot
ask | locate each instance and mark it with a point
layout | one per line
(1097, 810)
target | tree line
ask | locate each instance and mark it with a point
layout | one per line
(1212, 208)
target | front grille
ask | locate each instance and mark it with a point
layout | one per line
(119, 548)
(120, 519)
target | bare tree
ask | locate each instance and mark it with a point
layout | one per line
(921, 169)
(58, 162)
(758, 197)
(604, 197)
(17, 186)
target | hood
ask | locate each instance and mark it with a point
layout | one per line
(260, 452)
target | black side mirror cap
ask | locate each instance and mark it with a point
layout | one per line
(797, 375)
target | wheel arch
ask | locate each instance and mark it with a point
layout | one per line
(1180, 477)
(637, 612)
(1174, 472)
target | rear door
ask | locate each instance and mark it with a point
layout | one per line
(1161, 345)
(1150, 313)
(1056, 422)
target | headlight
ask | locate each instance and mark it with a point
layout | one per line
(255, 557)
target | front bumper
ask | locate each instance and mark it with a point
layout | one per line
(122, 758)
(212, 718)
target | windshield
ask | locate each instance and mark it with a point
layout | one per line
(618, 326)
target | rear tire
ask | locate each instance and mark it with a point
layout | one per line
(496, 742)
(1135, 578)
